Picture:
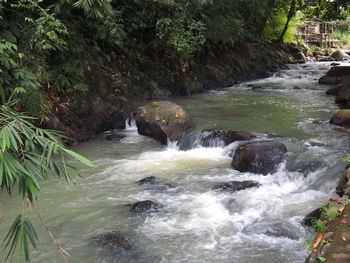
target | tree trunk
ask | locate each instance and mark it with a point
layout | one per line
(260, 26)
(291, 13)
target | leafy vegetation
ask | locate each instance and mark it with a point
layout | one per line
(49, 48)
(28, 156)
(343, 36)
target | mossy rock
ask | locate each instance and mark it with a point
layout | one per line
(341, 118)
(163, 121)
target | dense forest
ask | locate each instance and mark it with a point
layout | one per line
(52, 51)
(57, 54)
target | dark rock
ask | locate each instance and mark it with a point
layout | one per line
(343, 95)
(162, 120)
(296, 87)
(146, 206)
(309, 218)
(335, 75)
(237, 185)
(148, 180)
(343, 186)
(306, 167)
(277, 230)
(259, 157)
(334, 64)
(111, 243)
(220, 138)
(334, 90)
(330, 80)
(115, 137)
(341, 118)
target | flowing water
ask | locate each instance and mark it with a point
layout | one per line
(199, 224)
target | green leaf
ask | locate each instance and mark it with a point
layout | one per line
(20, 232)
(80, 157)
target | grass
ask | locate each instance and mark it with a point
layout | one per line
(344, 36)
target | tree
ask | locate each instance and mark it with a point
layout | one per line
(331, 10)
(291, 14)
(29, 155)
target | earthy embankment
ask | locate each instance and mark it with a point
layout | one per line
(332, 245)
(113, 86)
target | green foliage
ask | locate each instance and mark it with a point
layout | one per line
(344, 36)
(318, 225)
(347, 159)
(275, 26)
(28, 155)
(21, 233)
(331, 10)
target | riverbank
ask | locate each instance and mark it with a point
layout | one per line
(332, 242)
(114, 86)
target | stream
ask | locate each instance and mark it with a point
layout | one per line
(199, 224)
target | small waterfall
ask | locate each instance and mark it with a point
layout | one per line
(130, 123)
(212, 139)
(203, 138)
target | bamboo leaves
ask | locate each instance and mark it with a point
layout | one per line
(21, 233)
(29, 155)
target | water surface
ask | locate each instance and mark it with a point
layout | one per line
(199, 224)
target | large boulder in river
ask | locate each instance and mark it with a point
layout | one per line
(335, 75)
(163, 121)
(219, 138)
(341, 118)
(259, 157)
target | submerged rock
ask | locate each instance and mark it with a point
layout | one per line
(217, 138)
(146, 206)
(278, 230)
(111, 243)
(115, 137)
(148, 180)
(237, 185)
(306, 167)
(259, 157)
(341, 118)
(163, 121)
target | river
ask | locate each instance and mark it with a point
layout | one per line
(199, 224)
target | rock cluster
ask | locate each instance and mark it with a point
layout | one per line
(340, 77)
